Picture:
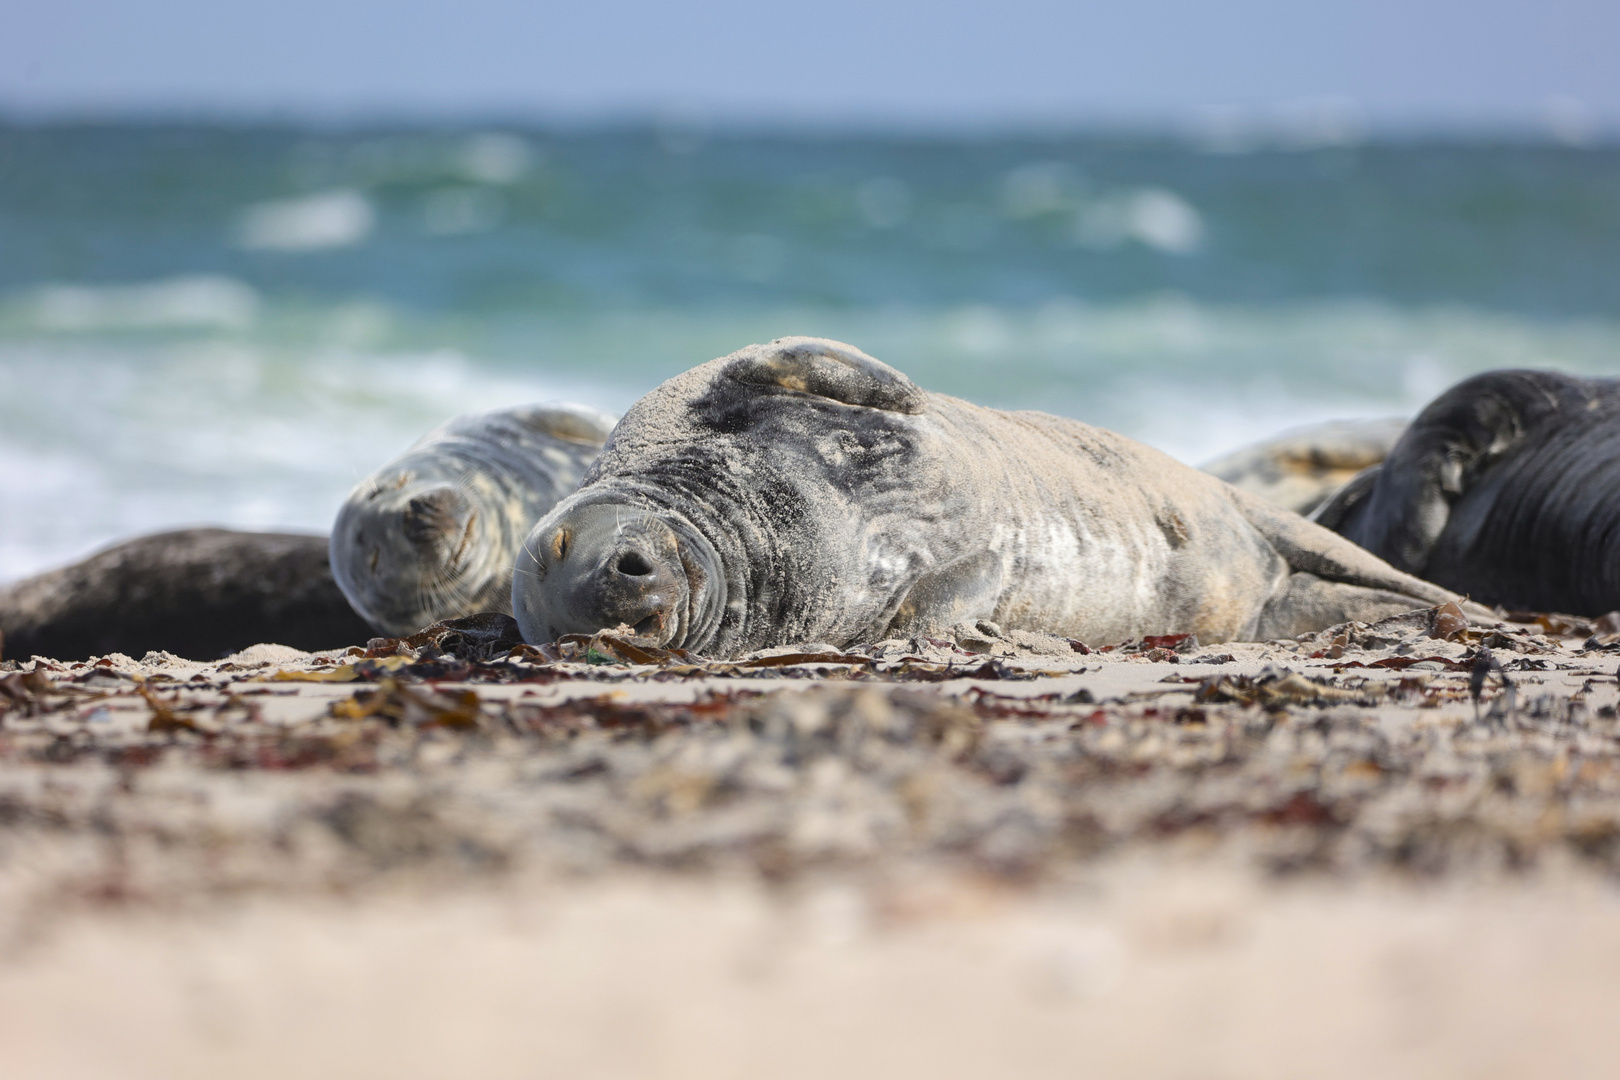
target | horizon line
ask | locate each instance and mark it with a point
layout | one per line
(1286, 125)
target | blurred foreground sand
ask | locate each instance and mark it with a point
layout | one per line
(1313, 858)
(1154, 971)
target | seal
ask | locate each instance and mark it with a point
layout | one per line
(1302, 468)
(198, 593)
(1507, 488)
(803, 491)
(432, 535)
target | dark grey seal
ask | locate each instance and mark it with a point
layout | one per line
(433, 534)
(1506, 488)
(803, 491)
(1301, 469)
(197, 593)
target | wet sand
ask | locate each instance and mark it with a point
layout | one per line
(974, 857)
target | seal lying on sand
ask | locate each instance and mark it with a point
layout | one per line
(1507, 488)
(803, 491)
(433, 534)
(197, 593)
(1301, 469)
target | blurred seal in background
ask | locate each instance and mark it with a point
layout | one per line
(1506, 488)
(434, 533)
(1302, 468)
(198, 593)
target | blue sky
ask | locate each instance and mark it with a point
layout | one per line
(878, 62)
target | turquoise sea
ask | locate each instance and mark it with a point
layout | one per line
(217, 324)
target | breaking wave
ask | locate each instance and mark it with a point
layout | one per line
(194, 401)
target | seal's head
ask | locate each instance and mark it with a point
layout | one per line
(594, 565)
(407, 550)
(433, 534)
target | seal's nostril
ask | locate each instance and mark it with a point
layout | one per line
(634, 564)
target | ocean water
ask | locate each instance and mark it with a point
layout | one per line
(206, 324)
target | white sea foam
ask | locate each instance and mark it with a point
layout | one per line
(1305, 124)
(495, 158)
(194, 301)
(1153, 216)
(328, 219)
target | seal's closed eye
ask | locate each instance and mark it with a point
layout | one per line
(828, 369)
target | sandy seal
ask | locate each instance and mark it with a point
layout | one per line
(197, 593)
(1302, 468)
(1507, 488)
(803, 491)
(432, 535)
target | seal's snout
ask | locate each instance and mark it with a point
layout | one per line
(636, 588)
(599, 567)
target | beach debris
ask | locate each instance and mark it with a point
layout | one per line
(1278, 687)
(171, 714)
(1447, 622)
(475, 637)
(799, 658)
(618, 645)
(413, 706)
(824, 758)
(24, 690)
(803, 757)
(980, 636)
(1605, 633)
(1485, 662)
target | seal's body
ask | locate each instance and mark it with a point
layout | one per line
(802, 491)
(198, 593)
(433, 534)
(1507, 488)
(1301, 469)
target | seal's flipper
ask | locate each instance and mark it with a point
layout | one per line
(1337, 510)
(1306, 603)
(828, 369)
(1311, 550)
(961, 592)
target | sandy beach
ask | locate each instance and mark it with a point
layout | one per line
(992, 855)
